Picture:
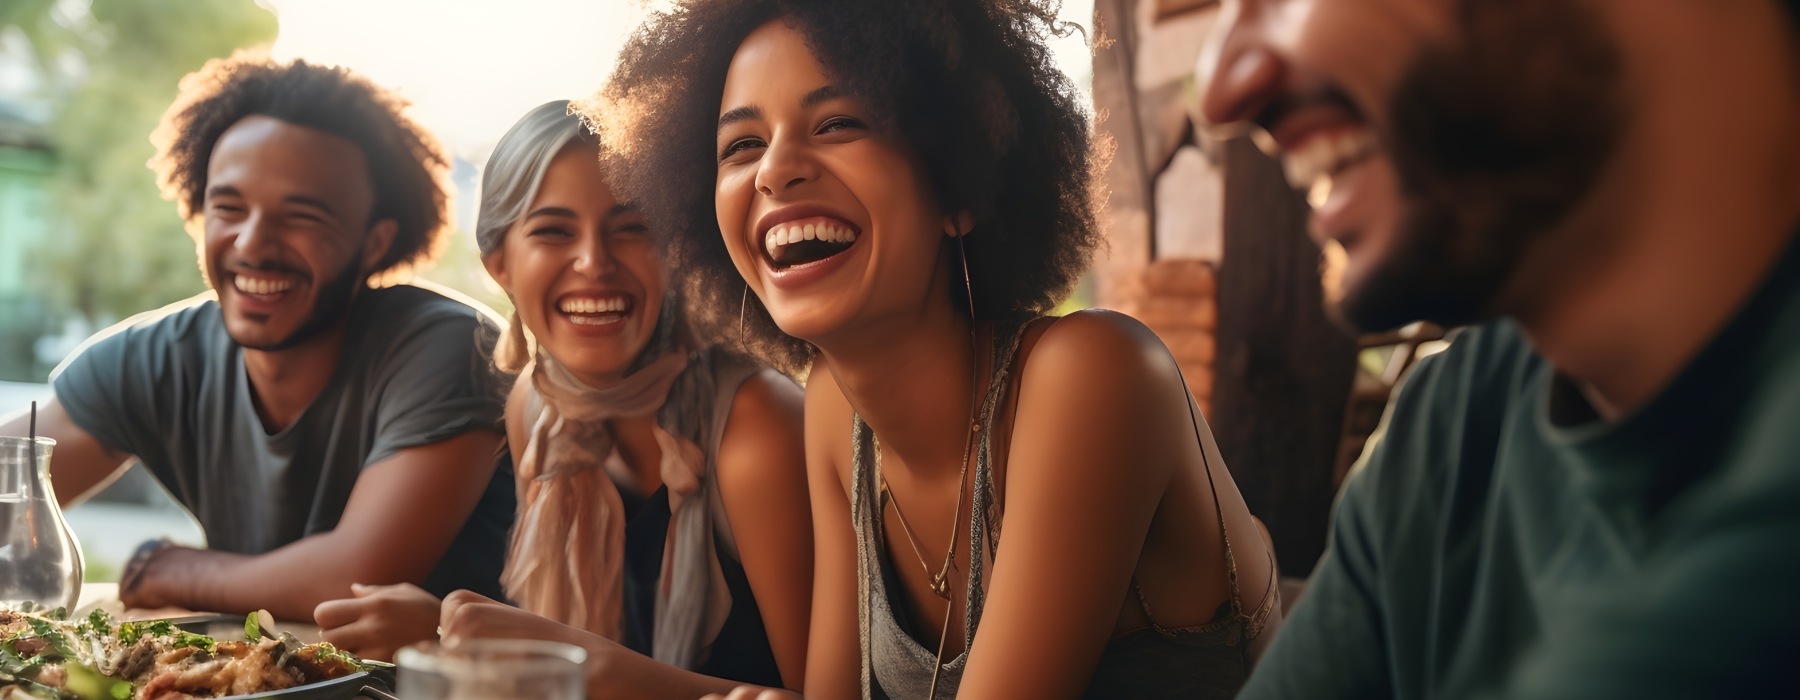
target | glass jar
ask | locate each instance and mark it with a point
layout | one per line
(40, 561)
(492, 669)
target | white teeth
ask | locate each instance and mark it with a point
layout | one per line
(785, 235)
(1324, 156)
(1320, 193)
(256, 285)
(585, 305)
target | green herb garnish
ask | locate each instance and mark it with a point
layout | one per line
(47, 631)
(14, 666)
(131, 632)
(184, 638)
(97, 622)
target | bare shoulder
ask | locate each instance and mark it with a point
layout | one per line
(768, 390)
(762, 458)
(766, 415)
(1097, 347)
(1097, 383)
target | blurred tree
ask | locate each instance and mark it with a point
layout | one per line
(110, 68)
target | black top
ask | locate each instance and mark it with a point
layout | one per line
(741, 651)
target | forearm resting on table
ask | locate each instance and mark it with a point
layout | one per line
(628, 675)
(400, 518)
(288, 582)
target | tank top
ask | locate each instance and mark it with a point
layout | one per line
(1205, 662)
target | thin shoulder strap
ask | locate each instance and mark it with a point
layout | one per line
(1005, 403)
(1231, 569)
(984, 515)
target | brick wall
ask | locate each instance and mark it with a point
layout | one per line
(1178, 300)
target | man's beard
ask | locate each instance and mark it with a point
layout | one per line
(329, 308)
(1494, 141)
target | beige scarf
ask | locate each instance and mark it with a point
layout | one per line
(567, 557)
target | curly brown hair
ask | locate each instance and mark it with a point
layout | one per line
(406, 164)
(969, 84)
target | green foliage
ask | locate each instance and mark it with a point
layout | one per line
(100, 572)
(117, 247)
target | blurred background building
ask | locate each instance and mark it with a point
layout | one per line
(1209, 248)
(1206, 242)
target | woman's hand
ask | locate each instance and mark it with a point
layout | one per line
(745, 692)
(613, 671)
(379, 620)
(468, 615)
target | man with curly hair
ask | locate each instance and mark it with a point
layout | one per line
(325, 431)
(1595, 492)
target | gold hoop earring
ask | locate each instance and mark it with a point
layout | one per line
(962, 251)
(743, 302)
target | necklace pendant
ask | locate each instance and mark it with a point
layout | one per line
(940, 586)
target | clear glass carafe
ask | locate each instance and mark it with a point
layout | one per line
(40, 561)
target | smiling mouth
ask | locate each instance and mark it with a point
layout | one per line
(263, 288)
(1311, 167)
(808, 241)
(596, 310)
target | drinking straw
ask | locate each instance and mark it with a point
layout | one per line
(31, 448)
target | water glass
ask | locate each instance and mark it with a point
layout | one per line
(492, 669)
(40, 561)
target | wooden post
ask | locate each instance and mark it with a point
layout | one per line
(1128, 214)
(1284, 371)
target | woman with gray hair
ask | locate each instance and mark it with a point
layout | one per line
(663, 521)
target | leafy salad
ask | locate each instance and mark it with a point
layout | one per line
(46, 656)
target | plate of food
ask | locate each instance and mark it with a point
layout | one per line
(45, 656)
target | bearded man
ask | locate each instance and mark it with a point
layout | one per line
(1595, 492)
(324, 430)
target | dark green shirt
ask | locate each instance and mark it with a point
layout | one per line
(1502, 542)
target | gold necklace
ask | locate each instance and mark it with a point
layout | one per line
(940, 581)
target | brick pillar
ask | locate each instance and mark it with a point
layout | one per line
(1178, 300)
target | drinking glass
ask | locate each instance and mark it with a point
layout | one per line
(40, 561)
(492, 669)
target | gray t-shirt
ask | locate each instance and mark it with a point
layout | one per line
(170, 388)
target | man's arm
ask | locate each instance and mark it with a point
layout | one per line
(79, 464)
(401, 517)
(1336, 642)
(1333, 644)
